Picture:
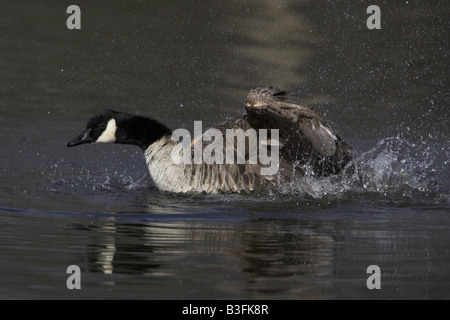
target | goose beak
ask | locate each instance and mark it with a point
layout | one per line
(81, 139)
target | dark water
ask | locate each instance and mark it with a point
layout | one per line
(385, 91)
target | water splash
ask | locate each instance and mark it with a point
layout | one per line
(394, 167)
(87, 182)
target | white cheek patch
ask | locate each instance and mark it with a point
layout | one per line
(109, 135)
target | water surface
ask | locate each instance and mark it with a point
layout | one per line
(385, 91)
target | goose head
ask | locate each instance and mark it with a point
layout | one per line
(111, 126)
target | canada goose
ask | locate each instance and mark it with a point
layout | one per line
(303, 141)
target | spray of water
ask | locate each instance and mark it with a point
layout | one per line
(394, 167)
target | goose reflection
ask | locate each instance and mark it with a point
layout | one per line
(256, 256)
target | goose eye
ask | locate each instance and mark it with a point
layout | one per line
(102, 125)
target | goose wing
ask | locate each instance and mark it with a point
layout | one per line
(250, 172)
(305, 137)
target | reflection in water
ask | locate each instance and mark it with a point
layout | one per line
(272, 40)
(265, 257)
(262, 249)
(106, 247)
(271, 257)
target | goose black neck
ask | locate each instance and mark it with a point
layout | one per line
(140, 131)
